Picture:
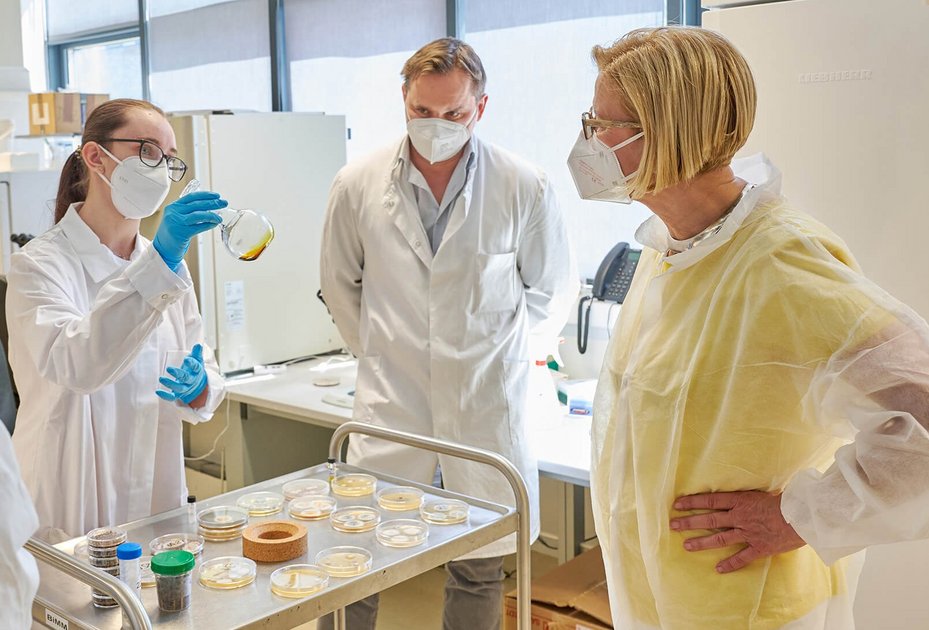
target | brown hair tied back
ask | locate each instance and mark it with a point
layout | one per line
(100, 125)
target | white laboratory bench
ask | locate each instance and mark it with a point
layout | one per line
(562, 446)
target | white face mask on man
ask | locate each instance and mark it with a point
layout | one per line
(596, 170)
(136, 188)
(437, 139)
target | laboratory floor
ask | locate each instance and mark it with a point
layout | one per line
(420, 599)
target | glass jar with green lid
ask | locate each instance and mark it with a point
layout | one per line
(172, 571)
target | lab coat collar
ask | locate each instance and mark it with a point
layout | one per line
(764, 180)
(97, 259)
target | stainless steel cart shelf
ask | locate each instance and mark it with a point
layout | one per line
(255, 606)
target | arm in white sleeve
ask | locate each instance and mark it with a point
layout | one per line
(341, 264)
(193, 325)
(546, 266)
(877, 490)
(84, 351)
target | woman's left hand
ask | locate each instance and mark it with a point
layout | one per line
(188, 381)
(751, 518)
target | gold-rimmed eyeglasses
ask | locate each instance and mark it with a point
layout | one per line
(589, 124)
(152, 155)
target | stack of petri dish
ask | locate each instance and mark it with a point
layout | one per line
(298, 580)
(344, 561)
(228, 573)
(444, 511)
(304, 487)
(222, 523)
(400, 498)
(261, 503)
(101, 551)
(355, 519)
(312, 507)
(177, 542)
(353, 485)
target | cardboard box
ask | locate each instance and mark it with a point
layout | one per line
(572, 596)
(61, 112)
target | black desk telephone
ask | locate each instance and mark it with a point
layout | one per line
(610, 285)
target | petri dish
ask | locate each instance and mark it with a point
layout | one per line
(177, 542)
(444, 511)
(354, 519)
(222, 523)
(104, 540)
(261, 503)
(303, 487)
(228, 572)
(344, 561)
(353, 485)
(312, 507)
(145, 568)
(298, 580)
(221, 535)
(80, 552)
(400, 498)
(402, 532)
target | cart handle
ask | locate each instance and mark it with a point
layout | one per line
(130, 604)
(523, 590)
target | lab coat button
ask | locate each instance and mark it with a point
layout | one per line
(164, 296)
(417, 244)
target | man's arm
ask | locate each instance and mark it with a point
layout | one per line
(341, 264)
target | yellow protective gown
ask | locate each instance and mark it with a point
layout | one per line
(761, 359)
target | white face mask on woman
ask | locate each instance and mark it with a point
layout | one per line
(437, 139)
(596, 170)
(137, 189)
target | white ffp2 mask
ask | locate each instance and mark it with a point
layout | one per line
(137, 189)
(436, 139)
(596, 170)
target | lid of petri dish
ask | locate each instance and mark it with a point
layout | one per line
(222, 517)
(129, 551)
(298, 580)
(302, 487)
(145, 566)
(444, 511)
(261, 503)
(105, 537)
(172, 562)
(228, 572)
(312, 507)
(355, 518)
(400, 498)
(402, 532)
(353, 484)
(344, 561)
(173, 542)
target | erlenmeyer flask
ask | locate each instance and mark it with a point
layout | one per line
(246, 233)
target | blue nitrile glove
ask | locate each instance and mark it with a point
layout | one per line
(184, 219)
(188, 380)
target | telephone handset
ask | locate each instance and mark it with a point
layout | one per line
(610, 285)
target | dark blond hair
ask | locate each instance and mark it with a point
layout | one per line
(692, 92)
(442, 56)
(100, 125)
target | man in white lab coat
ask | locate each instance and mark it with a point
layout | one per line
(447, 268)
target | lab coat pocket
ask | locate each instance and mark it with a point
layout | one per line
(496, 284)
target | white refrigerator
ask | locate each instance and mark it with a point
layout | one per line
(843, 90)
(282, 165)
(27, 208)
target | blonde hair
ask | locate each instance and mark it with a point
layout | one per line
(442, 56)
(692, 92)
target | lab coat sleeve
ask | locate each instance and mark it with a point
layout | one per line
(193, 324)
(877, 489)
(84, 351)
(341, 264)
(547, 267)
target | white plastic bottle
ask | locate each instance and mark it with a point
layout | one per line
(130, 571)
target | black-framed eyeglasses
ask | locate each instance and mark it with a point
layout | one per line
(589, 124)
(152, 155)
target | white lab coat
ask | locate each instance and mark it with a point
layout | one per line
(443, 340)
(19, 576)
(89, 334)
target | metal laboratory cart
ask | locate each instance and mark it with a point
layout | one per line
(64, 600)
